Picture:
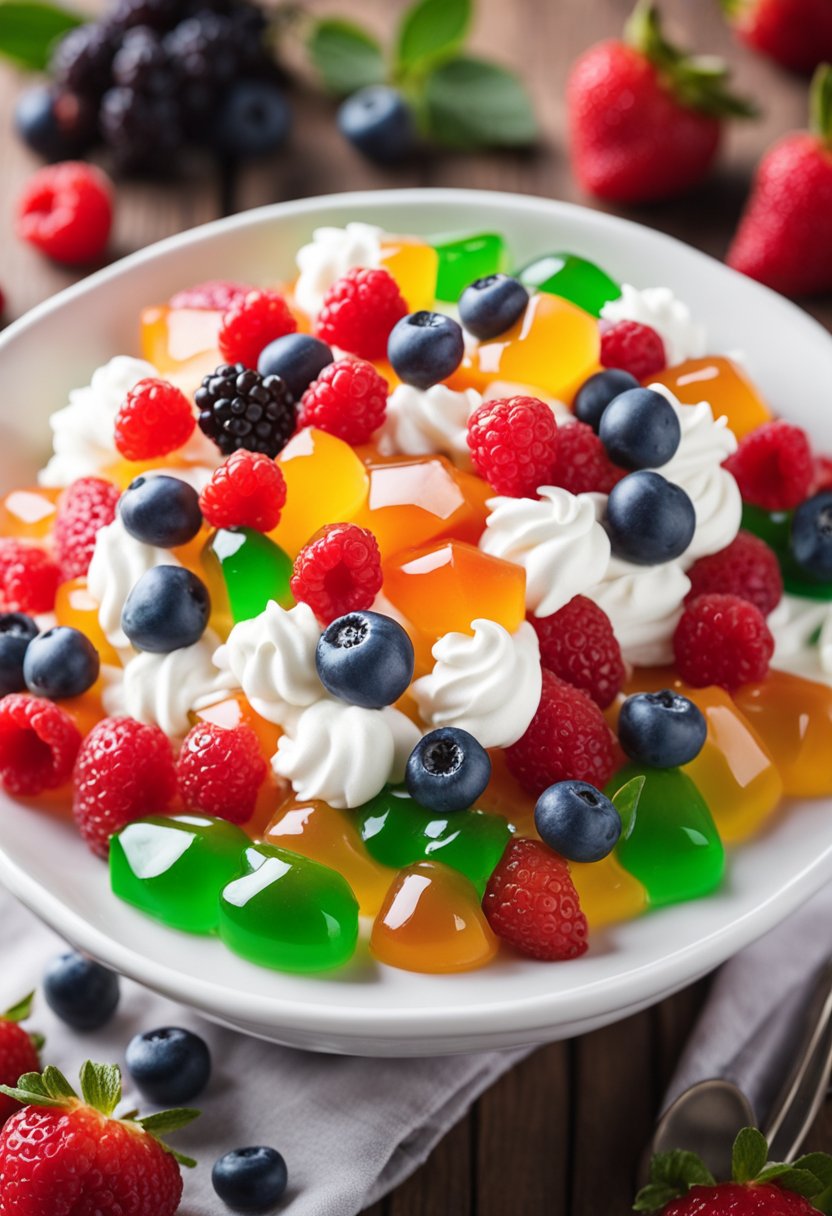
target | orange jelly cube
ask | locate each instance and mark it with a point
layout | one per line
(29, 514)
(724, 384)
(75, 606)
(793, 717)
(326, 483)
(181, 343)
(414, 266)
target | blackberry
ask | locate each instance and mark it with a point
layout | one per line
(143, 131)
(142, 63)
(82, 60)
(239, 408)
(205, 50)
(161, 15)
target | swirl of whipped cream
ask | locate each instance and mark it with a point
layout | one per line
(557, 539)
(644, 604)
(658, 307)
(118, 562)
(487, 682)
(420, 422)
(328, 256)
(802, 632)
(162, 689)
(272, 657)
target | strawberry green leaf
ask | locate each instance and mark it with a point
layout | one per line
(471, 103)
(35, 1089)
(345, 55)
(820, 104)
(27, 1097)
(37, 1040)
(32, 1082)
(166, 1121)
(626, 802)
(802, 1182)
(654, 1197)
(56, 1084)
(749, 1156)
(671, 1176)
(19, 1012)
(188, 1162)
(431, 30)
(101, 1086)
(28, 31)
(819, 1164)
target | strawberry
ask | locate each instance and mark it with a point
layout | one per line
(784, 238)
(795, 33)
(645, 118)
(18, 1051)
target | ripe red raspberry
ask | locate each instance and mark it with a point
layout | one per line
(124, 770)
(38, 745)
(87, 505)
(339, 571)
(66, 212)
(577, 644)
(633, 348)
(722, 639)
(220, 771)
(349, 399)
(251, 323)
(514, 444)
(567, 739)
(28, 578)
(359, 311)
(747, 568)
(248, 490)
(531, 903)
(582, 465)
(823, 474)
(155, 419)
(216, 295)
(773, 466)
(18, 1053)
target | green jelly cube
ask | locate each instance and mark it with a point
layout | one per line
(774, 527)
(572, 278)
(461, 261)
(252, 568)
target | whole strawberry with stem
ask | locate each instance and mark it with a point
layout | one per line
(18, 1051)
(62, 1147)
(785, 235)
(797, 34)
(645, 118)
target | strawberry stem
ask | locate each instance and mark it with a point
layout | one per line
(820, 104)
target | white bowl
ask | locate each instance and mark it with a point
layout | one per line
(369, 1009)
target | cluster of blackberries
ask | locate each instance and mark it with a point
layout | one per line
(155, 76)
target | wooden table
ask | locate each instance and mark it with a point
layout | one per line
(563, 1131)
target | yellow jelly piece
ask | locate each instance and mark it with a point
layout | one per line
(414, 265)
(75, 606)
(607, 893)
(28, 514)
(724, 384)
(326, 483)
(181, 343)
(793, 717)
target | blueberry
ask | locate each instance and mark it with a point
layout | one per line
(811, 536)
(425, 347)
(297, 358)
(595, 394)
(490, 306)
(16, 632)
(577, 821)
(80, 992)
(447, 770)
(60, 663)
(250, 1179)
(377, 120)
(167, 609)
(662, 729)
(649, 520)
(161, 511)
(170, 1066)
(365, 658)
(640, 429)
(254, 119)
(56, 125)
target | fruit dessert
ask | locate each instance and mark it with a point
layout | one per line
(417, 608)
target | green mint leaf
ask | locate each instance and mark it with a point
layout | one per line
(749, 1156)
(819, 1164)
(56, 1084)
(470, 103)
(101, 1086)
(28, 31)
(19, 1012)
(626, 802)
(431, 30)
(802, 1182)
(166, 1121)
(654, 1197)
(345, 55)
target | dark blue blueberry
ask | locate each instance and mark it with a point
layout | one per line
(577, 821)
(447, 770)
(297, 358)
(649, 520)
(60, 663)
(490, 306)
(595, 394)
(80, 992)
(662, 729)
(16, 632)
(640, 429)
(377, 120)
(425, 347)
(254, 120)
(167, 609)
(250, 1179)
(811, 536)
(170, 1065)
(365, 658)
(161, 511)
(55, 125)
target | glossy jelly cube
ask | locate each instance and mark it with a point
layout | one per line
(572, 278)
(287, 912)
(326, 483)
(722, 382)
(774, 527)
(464, 259)
(76, 607)
(174, 868)
(244, 569)
(29, 514)
(793, 717)
(181, 343)
(504, 795)
(607, 893)
(413, 264)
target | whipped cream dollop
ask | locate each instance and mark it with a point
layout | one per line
(802, 631)
(162, 689)
(557, 539)
(488, 682)
(328, 256)
(420, 422)
(659, 308)
(118, 562)
(644, 604)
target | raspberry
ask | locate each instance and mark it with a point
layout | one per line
(124, 770)
(567, 739)
(156, 418)
(28, 578)
(216, 295)
(531, 903)
(339, 571)
(251, 324)
(577, 644)
(239, 408)
(87, 505)
(38, 745)
(66, 212)
(823, 474)
(582, 465)
(247, 491)
(722, 639)
(747, 568)
(633, 348)
(220, 771)
(514, 444)
(349, 399)
(359, 311)
(773, 466)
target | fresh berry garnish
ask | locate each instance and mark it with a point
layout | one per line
(239, 408)
(250, 1179)
(379, 123)
(595, 394)
(82, 58)
(339, 571)
(155, 419)
(578, 644)
(66, 212)
(722, 639)
(490, 306)
(349, 399)
(161, 511)
(18, 1052)
(447, 770)
(629, 346)
(85, 506)
(823, 474)
(747, 568)
(170, 1066)
(425, 347)
(248, 490)
(365, 658)
(582, 465)
(531, 903)
(215, 295)
(577, 821)
(661, 729)
(254, 119)
(124, 768)
(60, 663)
(640, 429)
(28, 578)
(220, 773)
(297, 359)
(81, 992)
(38, 745)
(251, 323)
(166, 610)
(359, 311)
(648, 519)
(514, 445)
(811, 536)
(797, 34)
(16, 632)
(773, 466)
(55, 123)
